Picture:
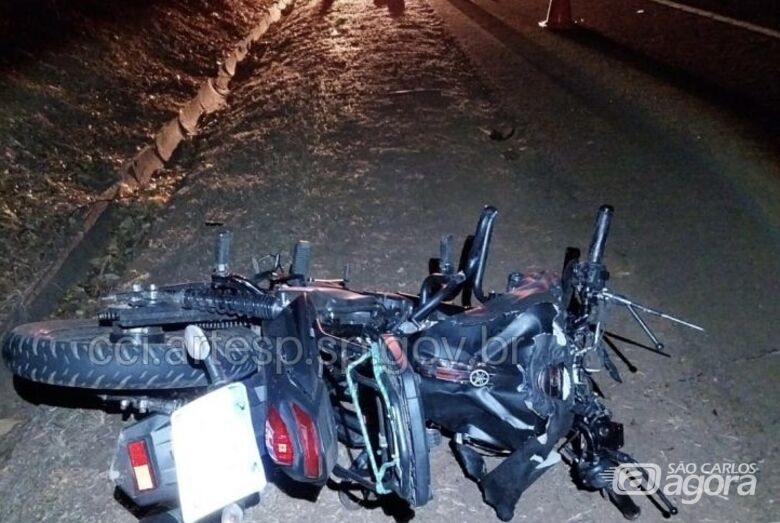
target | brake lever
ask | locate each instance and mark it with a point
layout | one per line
(645, 327)
(633, 309)
(663, 502)
(610, 296)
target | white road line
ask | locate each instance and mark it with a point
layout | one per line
(720, 18)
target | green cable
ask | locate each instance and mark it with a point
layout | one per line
(379, 472)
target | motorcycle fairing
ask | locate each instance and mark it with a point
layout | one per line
(513, 339)
(526, 404)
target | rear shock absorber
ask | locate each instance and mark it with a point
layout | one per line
(260, 306)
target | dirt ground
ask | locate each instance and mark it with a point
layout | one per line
(364, 128)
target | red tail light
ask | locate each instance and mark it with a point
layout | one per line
(310, 443)
(141, 464)
(277, 439)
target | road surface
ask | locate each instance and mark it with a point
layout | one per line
(364, 128)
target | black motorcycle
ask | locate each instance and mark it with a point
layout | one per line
(237, 375)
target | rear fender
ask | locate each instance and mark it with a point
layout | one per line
(155, 432)
(295, 378)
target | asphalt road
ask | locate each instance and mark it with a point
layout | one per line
(364, 128)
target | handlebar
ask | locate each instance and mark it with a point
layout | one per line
(222, 252)
(600, 231)
(477, 257)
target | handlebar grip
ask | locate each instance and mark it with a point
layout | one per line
(222, 252)
(600, 232)
(445, 253)
(301, 260)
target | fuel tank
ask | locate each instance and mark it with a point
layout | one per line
(496, 373)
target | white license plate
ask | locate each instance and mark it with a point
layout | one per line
(215, 452)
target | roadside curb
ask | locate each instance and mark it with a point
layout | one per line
(43, 295)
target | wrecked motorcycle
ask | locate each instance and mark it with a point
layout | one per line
(237, 375)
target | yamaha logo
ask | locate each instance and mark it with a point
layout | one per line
(479, 377)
